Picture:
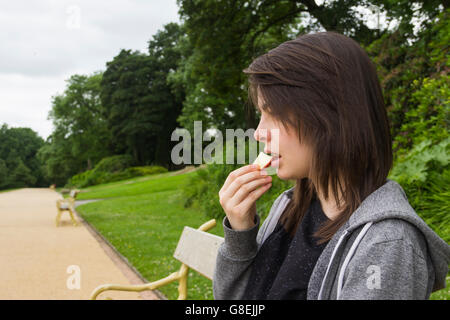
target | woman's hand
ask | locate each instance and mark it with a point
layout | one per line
(239, 193)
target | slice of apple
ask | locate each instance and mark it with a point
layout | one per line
(263, 160)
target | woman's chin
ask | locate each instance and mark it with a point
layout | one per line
(281, 175)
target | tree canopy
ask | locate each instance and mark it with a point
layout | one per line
(19, 165)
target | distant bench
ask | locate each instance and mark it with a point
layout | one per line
(196, 249)
(67, 205)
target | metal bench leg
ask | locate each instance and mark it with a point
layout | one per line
(75, 223)
(58, 217)
(182, 286)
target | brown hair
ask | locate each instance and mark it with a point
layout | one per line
(325, 86)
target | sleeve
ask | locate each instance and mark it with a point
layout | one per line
(233, 263)
(389, 270)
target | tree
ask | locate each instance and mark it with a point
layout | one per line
(80, 137)
(132, 120)
(78, 112)
(19, 165)
(58, 162)
(4, 176)
(141, 106)
(21, 176)
(166, 54)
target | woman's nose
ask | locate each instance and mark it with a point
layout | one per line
(262, 134)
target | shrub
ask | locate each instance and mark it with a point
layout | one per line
(145, 171)
(424, 174)
(114, 164)
(132, 172)
(80, 180)
(429, 120)
(112, 169)
(415, 83)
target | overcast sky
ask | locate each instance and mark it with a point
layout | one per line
(44, 42)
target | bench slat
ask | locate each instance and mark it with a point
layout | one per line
(64, 206)
(198, 250)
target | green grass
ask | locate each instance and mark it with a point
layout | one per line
(134, 186)
(443, 294)
(143, 221)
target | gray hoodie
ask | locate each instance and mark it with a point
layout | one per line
(384, 251)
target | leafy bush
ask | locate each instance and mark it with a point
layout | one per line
(112, 169)
(114, 164)
(144, 171)
(131, 173)
(415, 83)
(422, 159)
(430, 117)
(424, 174)
(80, 180)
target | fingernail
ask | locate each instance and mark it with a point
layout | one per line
(263, 173)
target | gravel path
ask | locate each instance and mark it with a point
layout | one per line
(38, 260)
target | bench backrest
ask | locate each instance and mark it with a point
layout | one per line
(73, 193)
(198, 250)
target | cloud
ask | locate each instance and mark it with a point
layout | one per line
(25, 101)
(44, 42)
(58, 36)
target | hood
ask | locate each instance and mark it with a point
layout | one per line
(387, 202)
(391, 202)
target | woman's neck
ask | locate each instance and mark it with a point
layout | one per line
(329, 206)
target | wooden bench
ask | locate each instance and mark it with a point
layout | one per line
(196, 249)
(67, 205)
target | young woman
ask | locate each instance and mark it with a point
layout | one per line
(344, 231)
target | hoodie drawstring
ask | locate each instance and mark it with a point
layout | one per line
(329, 264)
(346, 261)
(349, 256)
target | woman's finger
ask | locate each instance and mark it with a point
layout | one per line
(237, 173)
(241, 181)
(248, 188)
(246, 204)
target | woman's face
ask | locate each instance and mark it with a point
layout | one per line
(292, 159)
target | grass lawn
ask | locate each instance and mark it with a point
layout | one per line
(143, 220)
(443, 294)
(134, 186)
